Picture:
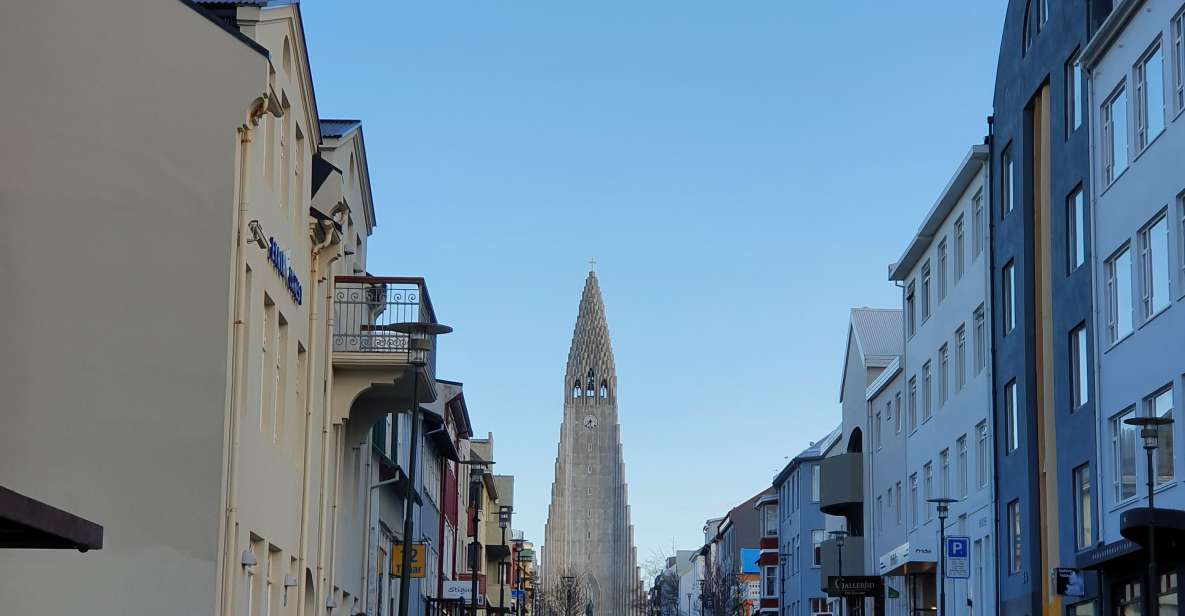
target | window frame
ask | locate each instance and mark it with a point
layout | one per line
(1079, 366)
(960, 248)
(1076, 244)
(983, 448)
(1112, 268)
(962, 461)
(927, 392)
(1008, 296)
(1150, 410)
(1007, 181)
(960, 357)
(943, 257)
(1015, 552)
(1110, 140)
(1011, 418)
(1075, 90)
(911, 308)
(979, 317)
(943, 374)
(1149, 307)
(1083, 507)
(925, 290)
(1144, 105)
(1177, 29)
(1118, 430)
(979, 234)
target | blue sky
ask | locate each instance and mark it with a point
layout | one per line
(743, 174)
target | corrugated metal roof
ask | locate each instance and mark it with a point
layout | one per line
(878, 334)
(337, 128)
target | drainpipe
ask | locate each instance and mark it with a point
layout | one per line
(331, 236)
(1097, 347)
(234, 407)
(989, 320)
(326, 425)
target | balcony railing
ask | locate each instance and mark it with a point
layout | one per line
(367, 307)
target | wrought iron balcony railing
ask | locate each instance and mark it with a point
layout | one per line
(366, 308)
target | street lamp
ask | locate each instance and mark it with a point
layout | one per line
(840, 536)
(420, 337)
(943, 504)
(1150, 431)
(504, 513)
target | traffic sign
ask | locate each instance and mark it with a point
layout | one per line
(418, 559)
(957, 553)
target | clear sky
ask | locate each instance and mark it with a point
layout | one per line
(742, 172)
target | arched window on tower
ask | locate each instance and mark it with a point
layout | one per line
(576, 391)
(590, 386)
(604, 389)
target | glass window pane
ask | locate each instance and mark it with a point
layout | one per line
(1158, 248)
(1161, 405)
(1118, 123)
(1154, 93)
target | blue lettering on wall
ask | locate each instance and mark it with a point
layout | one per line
(279, 260)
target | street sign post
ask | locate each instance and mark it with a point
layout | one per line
(958, 557)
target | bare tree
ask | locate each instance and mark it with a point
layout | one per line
(722, 593)
(663, 598)
(568, 595)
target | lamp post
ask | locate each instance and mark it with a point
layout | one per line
(840, 536)
(1150, 431)
(419, 345)
(504, 513)
(943, 507)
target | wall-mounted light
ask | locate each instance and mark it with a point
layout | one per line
(257, 235)
(290, 581)
(330, 602)
(248, 559)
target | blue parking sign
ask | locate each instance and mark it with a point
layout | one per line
(957, 553)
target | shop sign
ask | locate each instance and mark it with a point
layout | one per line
(279, 260)
(418, 560)
(1069, 582)
(855, 585)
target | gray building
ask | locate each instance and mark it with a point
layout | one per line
(885, 481)
(947, 394)
(1134, 67)
(802, 528)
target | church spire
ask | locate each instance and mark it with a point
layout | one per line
(590, 370)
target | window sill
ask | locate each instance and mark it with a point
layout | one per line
(1146, 146)
(1162, 310)
(1118, 341)
(1177, 114)
(1124, 504)
(1114, 179)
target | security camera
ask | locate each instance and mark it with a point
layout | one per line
(257, 235)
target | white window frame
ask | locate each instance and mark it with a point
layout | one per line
(1178, 33)
(927, 392)
(961, 452)
(943, 257)
(1074, 93)
(978, 231)
(1076, 224)
(925, 291)
(1079, 364)
(1166, 434)
(928, 485)
(913, 403)
(960, 357)
(983, 454)
(1117, 430)
(943, 375)
(1146, 107)
(960, 248)
(1113, 267)
(980, 319)
(1083, 504)
(1150, 302)
(1113, 168)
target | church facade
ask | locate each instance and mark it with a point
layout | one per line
(588, 532)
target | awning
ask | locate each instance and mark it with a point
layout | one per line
(33, 525)
(906, 559)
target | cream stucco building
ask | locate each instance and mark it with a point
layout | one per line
(197, 356)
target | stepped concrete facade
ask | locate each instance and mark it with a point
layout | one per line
(588, 530)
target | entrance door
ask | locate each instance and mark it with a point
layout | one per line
(1127, 598)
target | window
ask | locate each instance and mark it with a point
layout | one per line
(1027, 27)
(817, 537)
(1119, 295)
(980, 340)
(913, 403)
(1181, 235)
(910, 309)
(876, 431)
(1011, 418)
(913, 499)
(960, 357)
(1076, 237)
(1149, 81)
(1086, 608)
(897, 399)
(1123, 452)
(1014, 536)
(926, 392)
(1160, 404)
(960, 249)
(982, 446)
(880, 514)
(897, 499)
(925, 291)
(944, 468)
(1074, 94)
(1168, 591)
(1179, 60)
(978, 230)
(1154, 266)
(1007, 181)
(942, 258)
(1115, 134)
(928, 485)
(1079, 382)
(815, 483)
(1127, 598)
(1082, 508)
(771, 582)
(771, 520)
(961, 448)
(1008, 287)
(943, 375)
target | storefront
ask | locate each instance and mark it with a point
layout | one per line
(913, 567)
(1121, 568)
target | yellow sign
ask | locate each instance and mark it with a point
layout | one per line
(418, 560)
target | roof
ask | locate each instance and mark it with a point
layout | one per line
(337, 128)
(26, 523)
(879, 339)
(975, 159)
(816, 451)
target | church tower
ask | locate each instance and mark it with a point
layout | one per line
(588, 528)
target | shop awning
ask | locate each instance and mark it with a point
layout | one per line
(29, 524)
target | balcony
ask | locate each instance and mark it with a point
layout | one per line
(841, 489)
(853, 559)
(371, 368)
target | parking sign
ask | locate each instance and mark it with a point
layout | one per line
(958, 557)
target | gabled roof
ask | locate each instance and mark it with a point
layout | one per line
(338, 128)
(878, 336)
(817, 450)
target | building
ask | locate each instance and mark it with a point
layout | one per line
(873, 345)
(1132, 244)
(588, 529)
(767, 601)
(802, 529)
(943, 274)
(1041, 293)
